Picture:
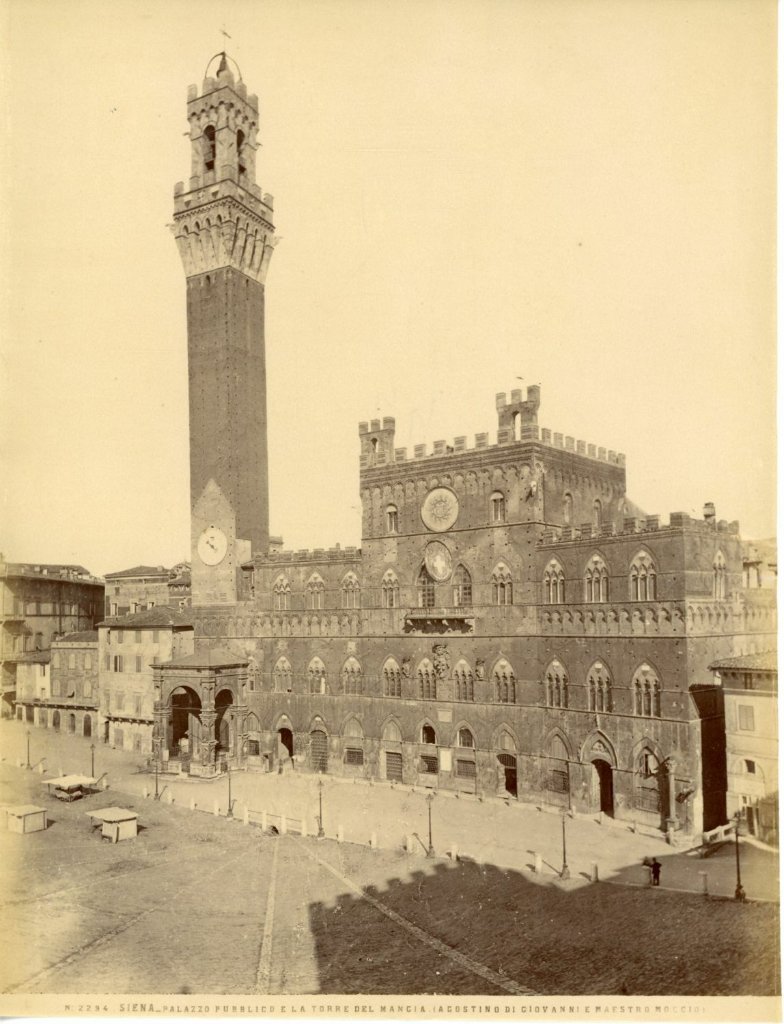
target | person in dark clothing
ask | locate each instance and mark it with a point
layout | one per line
(655, 871)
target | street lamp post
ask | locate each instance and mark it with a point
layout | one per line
(28, 765)
(229, 813)
(92, 760)
(740, 893)
(321, 815)
(565, 867)
(430, 798)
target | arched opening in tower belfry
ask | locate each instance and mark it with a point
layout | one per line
(209, 148)
(241, 151)
(516, 420)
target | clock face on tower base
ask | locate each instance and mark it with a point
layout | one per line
(216, 552)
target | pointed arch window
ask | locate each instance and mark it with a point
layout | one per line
(597, 581)
(349, 591)
(353, 743)
(426, 589)
(427, 680)
(719, 577)
(317, 676)
(209, 148)
(391, 679)
(281, 594)
(599, 688)
(464, 682)
(642, 578)
(497, 507)
(502, 585)
(391, 516)
(557, 780)
(352, 677)
(428, 734)
(554, 583)
(461, 587)
(647, 692)
(281, 676)
(465, 738)
(315, 592)
(556, 685)
(390, 590)
(504, 683)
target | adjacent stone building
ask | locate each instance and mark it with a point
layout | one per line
(750, 686)
(147, 586)
(39, 603)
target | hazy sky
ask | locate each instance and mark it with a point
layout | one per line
(578, 193)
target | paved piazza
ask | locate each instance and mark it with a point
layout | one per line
(198, 903)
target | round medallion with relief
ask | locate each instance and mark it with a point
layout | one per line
(439, 509)
(438, 561)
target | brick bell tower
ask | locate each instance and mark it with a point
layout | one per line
(224, 232)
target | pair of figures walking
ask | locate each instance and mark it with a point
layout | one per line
(654, 868)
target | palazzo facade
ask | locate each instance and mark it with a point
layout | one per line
(513, 626)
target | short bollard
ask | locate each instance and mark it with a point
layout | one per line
(594, 871)
(145, 792)
(537, 863)
(104, 784)
(303, 827)
(170, 797)
(263, 821)
(453, 852)
(704, 876)
(41, 768)
(409, 844)
(246, 817)
(192, 804)
(340, 833)
(215, 808)
(283, 825)
(373, 841)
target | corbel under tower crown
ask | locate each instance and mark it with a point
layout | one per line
(223, 219)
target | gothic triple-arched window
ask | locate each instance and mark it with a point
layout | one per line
(352, 676)
(502, 585)
(315, 592)
(597, 581)
(281, 594)
(426, 589)
(317, 676)
(281, 676)
(647, 692)
(556, 685)
(599, 688)
(461, 587)
(554, 583)
(642, 578)
(426, 680)
(390, 590)
(719, 577)
(349, 591)
(464, 681)
(504, 683)
(391, 678)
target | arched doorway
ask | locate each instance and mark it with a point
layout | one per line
(56, 721)
(87, 729)
(185, 716)
(508, 763)
(318, 750)
(603, 787)
(72, 723)
(286, 740)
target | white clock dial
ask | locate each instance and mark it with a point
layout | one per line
(212, 545)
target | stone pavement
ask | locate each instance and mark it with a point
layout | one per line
(489, 831)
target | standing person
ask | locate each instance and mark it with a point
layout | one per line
(655, 871)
